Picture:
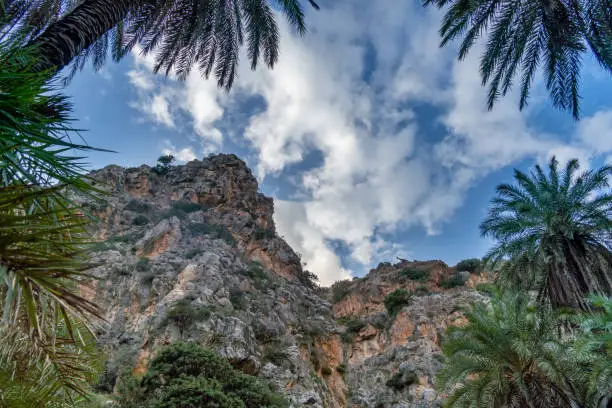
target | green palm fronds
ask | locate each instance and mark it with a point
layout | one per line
(597, 342)
(55, 372)
(35, 132)
(183, 34)
(47, 355)
(553, 233)
(510, 354)
(523, 36)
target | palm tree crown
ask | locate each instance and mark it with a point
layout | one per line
(523, 35)
(553, 233)
(181, 33)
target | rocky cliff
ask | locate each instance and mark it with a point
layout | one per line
(192, 254)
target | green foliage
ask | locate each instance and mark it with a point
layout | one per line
(164, 164)
(47, 354)
(553, 233)
(140, 220)
(192, 253)
(402, 379)
(146, 278)
(596, 342)
(422, 290)
(451, 282)
(213, 230)
(326, 370)
(239, 301)
(396, 300)
(522, 37)
(340, 289)
(488, 288)
(186, 206)
(342, 368)
(138, 206)
(179, 31)
(472, 265)
(264, 233)
(419, 275)
(274, 354)
(308, 279)
(257, 274)
(511, 354)
(184, 375)
(353, 327)
(142, 264)
(184, 313)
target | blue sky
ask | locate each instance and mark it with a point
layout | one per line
(374, 142)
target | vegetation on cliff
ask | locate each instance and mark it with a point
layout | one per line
(184, 375)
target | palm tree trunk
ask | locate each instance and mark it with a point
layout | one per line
(66, 38)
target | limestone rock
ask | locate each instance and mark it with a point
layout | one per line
(201, 240)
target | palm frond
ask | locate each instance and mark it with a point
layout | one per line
(553, 233)
(523, 36)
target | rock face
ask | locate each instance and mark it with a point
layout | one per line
(192, 254)
(392, 360)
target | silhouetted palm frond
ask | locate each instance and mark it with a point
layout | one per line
(182, 33)
(523, 36)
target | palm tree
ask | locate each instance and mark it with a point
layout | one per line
(521, 36)
(553, 233)
(181, 33)
(510, 355)
(597, 342)
(45, 326)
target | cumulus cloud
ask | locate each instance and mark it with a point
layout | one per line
(348, 92)
(184, 155)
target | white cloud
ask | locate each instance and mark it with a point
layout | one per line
(185, 154)
(347, 91)
(161, 111)
(596, 131)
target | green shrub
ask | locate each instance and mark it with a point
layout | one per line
(184, 375)
(274, 354)
(186, 206)
(183, 314)
(138, 206)
(164, 164)
(173, 212)
(396, 300)
(414, 274)
(236, 296)
(342, 368)
(215, 231)
(147, 277)
(340, 289)
(472, 265)
(192, 253)
(255, 271)
(326, 370)
(451, 282)
(264, 233)
(142, 264)
(353, 327)
(422, 290)
(140, 220)
(488, 288)
(257, 274)
(402, 379)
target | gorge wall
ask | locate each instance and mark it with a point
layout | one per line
(192, 254)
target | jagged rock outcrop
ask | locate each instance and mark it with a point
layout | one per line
(391, 361)
(192, 254)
